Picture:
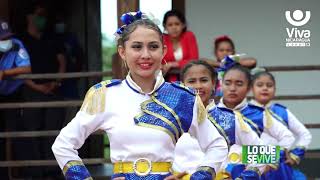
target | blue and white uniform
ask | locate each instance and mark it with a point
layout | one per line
(139, 125)
(301, 133)
(16, 57)
(261, 121)
(232, 127)
(285, 116)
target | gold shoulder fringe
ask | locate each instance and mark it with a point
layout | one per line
(94, 101)
(241, 121)
(269, 118)
(202, 112)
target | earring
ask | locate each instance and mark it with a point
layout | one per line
(165, 62)
(125, 65)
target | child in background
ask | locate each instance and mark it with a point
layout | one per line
(224, 46)
(263, 88)
(181, 43)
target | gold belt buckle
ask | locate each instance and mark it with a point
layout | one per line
(142, 160)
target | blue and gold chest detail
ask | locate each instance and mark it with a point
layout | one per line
(253, 115)
(94, 101)
(170, 109)
(224, 120)
(280, 113)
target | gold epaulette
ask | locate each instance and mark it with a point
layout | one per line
(94, 101)
(202, 112)
(268, 118)
(243, 126)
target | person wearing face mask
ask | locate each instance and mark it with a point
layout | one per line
(46, 57)
(14, 60)
(73, 53)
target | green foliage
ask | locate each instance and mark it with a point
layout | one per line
(106, 148)
(108, 49)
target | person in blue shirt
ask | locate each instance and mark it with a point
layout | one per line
(14, 60)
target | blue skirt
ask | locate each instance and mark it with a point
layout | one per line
(284, 171)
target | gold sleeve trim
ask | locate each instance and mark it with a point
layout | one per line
(70, 164)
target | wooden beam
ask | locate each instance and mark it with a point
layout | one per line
(179, 5)
(174, 71)
(27, 163)
(125, 6)
(64, 75)
(24, 163)
(293, 68)
(93, 37)
(4, 11)
(298, 97)
(74, 103)
(312, 155)
(312, 126)
(49, 133)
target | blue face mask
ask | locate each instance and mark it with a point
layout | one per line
(5, 45)
(60, 28)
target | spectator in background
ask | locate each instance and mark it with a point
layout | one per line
(14, 60)
(224, 46)
(181, 43)
(73, 53)
(46, 57)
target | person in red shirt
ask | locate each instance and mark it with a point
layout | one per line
(181, 44)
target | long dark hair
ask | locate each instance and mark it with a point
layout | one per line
(176, 13)
(223, 38)
(185, 69)
(263, 73)
(242, 69)
(131, 27)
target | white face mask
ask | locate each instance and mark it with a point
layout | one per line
(5, 45)
(60, 28)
